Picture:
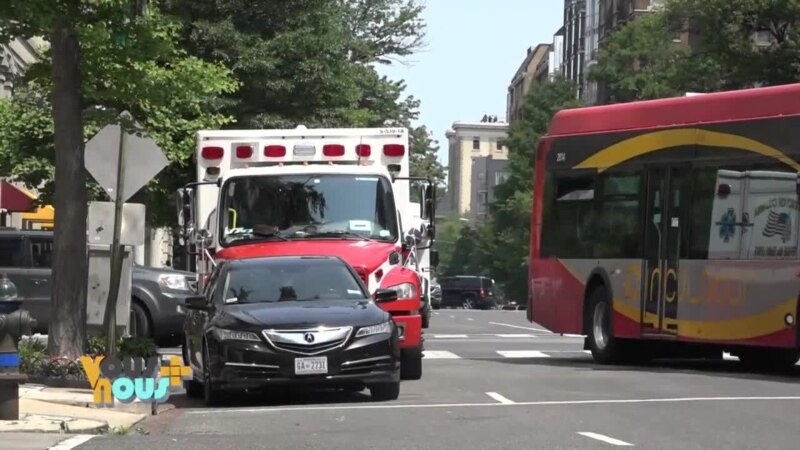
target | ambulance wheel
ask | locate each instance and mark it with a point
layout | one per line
(411, 364)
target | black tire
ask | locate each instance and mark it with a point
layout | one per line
(194, 389)
(211, 395)
(385, 391)
(411, 364)
(769, 360)
(468, 303)
(605, 349)
(140, 324)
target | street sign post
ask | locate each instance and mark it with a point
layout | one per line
(107, 160)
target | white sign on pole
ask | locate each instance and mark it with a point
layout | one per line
(101, 223)
(143, 161)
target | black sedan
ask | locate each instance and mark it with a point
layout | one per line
(288, 321)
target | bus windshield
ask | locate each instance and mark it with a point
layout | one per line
(307, 206)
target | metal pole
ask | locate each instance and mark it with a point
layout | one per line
(110, 318)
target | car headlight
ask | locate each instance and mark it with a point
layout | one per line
(405, 290)
(381, 328)
(174, 282)
(231, 335)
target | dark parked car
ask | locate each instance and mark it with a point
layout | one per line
(436, 295)
(262, 323)
(157, 294)
(158, 297)
(468, 292)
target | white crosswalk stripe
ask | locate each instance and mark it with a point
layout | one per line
(522, 354)
(499, 335)
(439, 354)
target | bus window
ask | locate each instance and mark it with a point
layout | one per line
(618, 221)
(567, 216)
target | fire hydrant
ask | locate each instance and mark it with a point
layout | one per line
(14, 323)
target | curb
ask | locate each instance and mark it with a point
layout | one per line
(90, 426)
(129, 408)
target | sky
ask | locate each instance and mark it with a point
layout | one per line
(472, 50)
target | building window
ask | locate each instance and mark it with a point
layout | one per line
(476, 143)
(501, 177)
(500, 144)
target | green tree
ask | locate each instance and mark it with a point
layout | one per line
(726, 30)
(306, 61)
(448, 231)
(465, 258)
(643, 61)
(424, 160)
(505, 239)
(105, 56)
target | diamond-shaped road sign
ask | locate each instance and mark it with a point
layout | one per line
(143, 160)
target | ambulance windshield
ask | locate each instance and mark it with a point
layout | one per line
(307, 207)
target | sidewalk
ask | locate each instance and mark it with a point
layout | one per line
(66, 410)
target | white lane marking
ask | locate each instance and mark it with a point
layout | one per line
(439, 354)
(574, 335)
(470, 318)
(72, 442)
(728, 357)
(521, 328)
(452, 317)
(515, 335)
(604, 438)
(464, 405)
(450, 336)
(500, 398)
(522, 354)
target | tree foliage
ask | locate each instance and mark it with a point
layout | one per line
(306, 61)
(505, 240)
(131, 65)
(718, 49)
(642, 61)
(424, 160)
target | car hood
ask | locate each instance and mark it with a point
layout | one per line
(301, 314)
(364, 256)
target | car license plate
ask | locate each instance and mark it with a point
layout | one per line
(311, 366)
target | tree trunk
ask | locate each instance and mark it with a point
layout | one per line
(67, 331)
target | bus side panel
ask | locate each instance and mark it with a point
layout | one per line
(739, 302)
(559, 289)
(557, 296)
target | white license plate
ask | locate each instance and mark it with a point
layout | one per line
(311, 366)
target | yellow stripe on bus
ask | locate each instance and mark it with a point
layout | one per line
(749, 327)
(660, 140)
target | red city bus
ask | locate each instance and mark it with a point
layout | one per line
(669, 227)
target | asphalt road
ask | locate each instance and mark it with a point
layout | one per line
(492, 380)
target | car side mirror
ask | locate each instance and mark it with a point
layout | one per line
(385, 295)
(434, 257)
(196, 302)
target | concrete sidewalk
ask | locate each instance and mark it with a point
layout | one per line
(67, 410)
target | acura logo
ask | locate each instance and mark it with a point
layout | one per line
(308, 337)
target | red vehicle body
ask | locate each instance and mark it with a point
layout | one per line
(330, 192)
(670, 227)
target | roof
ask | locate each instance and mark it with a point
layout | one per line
(533, 52)
(746, 104)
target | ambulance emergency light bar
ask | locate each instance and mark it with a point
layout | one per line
(245, 151)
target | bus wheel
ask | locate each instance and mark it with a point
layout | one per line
(604, 348)
(770, 360)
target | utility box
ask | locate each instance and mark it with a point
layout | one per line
(99, 284)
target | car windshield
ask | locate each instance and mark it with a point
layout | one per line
(308, 206)
(303, 279)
